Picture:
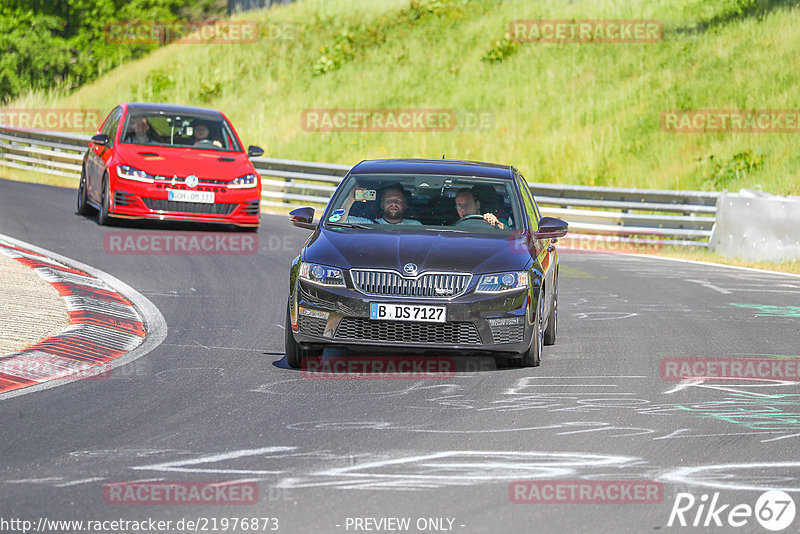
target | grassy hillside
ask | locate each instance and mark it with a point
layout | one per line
(578, 113)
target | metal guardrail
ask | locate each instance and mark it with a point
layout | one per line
(683, 218)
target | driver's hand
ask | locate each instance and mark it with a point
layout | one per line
(491, 219)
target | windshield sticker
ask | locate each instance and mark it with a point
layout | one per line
(335, 217)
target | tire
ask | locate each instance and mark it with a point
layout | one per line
(533, 356)
(83, 196)
(552, 320)
(102, 216)
(294, 352)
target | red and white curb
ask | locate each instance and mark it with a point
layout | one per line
(106, 327)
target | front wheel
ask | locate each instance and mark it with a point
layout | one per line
(103, 217)
(83, 197)
(295, 352)
(552, 321)
(533, 356)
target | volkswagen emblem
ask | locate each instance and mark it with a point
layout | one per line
(191, 181)
(410, 269)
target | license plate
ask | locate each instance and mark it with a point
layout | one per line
(406, 312)
(178, 195)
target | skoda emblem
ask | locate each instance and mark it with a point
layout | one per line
(410, 269)
(191, 181)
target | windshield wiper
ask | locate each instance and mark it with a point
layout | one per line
(349, 225)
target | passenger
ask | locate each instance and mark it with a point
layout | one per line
(468, 204)
(394, 205)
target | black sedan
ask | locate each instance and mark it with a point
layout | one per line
(426, 254)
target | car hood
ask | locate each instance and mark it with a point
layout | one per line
(429, 250)
(171, 161)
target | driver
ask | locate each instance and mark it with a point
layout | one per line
(393, 205)
(201, 133)
(468, 204)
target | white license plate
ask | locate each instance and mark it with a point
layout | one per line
(406, 312)
(178, 195)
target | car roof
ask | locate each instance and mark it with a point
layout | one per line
(433, 166)
(172, 108)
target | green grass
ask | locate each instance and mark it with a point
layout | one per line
(701, 254)
(562, 113)
(35, 177)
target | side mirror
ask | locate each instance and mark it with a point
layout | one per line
(100, 140)
(302, 218)
(254, 151)
(550, 227)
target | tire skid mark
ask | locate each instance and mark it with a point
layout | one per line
(103, 325)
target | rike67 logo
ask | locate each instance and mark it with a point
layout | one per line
(774, 510)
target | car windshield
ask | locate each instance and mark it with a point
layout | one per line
(470, 204)
(158, 128)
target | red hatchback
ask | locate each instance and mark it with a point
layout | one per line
(159, 161)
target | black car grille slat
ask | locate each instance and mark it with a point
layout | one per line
(392, 284)
(452, 333)
(160, 204)
(312, 326)
(121, 198)
(251, 207)
(512, 333)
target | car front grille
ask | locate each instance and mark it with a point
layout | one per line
(182, 179)
(312, 326)
(160, 204)
(360, 329)
(392, 284)
(512, 333)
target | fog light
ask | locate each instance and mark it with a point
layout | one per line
(308, 312)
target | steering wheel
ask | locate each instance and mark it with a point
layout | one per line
(473, 217)
(205, 142)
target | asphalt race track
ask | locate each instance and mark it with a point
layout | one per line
(215, 401)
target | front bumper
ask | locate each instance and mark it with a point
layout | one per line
(473, 321)
(133, 200)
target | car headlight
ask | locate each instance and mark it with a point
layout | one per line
(319, 274)
(130, 173)
(497, 282)
(243, 182)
